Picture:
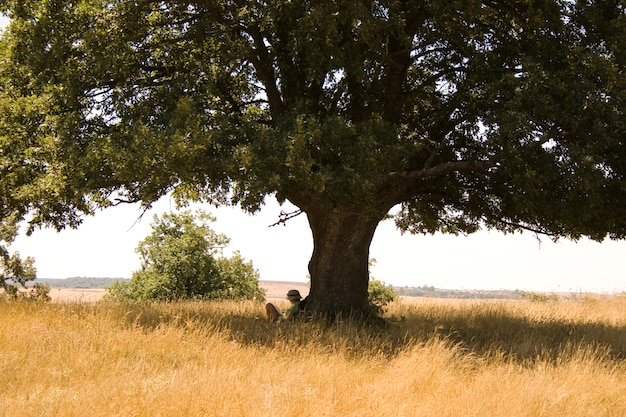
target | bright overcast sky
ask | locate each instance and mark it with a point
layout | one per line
(104, 246)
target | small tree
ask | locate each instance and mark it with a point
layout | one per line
(15, 272)
(179, 261)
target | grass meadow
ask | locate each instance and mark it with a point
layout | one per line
(431, 358)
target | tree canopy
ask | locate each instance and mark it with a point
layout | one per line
(465, 114)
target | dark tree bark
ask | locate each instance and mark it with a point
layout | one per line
(339, 263)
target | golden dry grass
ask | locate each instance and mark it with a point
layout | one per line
(432, 358)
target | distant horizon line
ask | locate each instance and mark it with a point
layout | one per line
(415, 287)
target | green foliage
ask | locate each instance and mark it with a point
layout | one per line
(15, 273)
(239, 278)
(379, 294)
(180, 261)
(368, 106)
(38, 292)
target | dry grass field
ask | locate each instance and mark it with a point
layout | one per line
(274, 290)
(432, 358)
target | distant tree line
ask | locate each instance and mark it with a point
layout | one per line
(80, 282)
(432, 292)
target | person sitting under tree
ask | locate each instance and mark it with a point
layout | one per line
(274, 314)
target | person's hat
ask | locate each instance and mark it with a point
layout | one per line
(293, 295)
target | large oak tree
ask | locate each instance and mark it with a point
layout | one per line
(464, 114)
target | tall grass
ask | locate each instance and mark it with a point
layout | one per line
(431, 358)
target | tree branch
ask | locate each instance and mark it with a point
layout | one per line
(284, 217)
(262, 62)
(442, 169)
(397, 187)
(537, 231)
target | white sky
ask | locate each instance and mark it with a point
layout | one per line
(104, 246)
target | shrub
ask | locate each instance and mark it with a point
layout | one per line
(380, 295)
(180, 261)
(239, 278)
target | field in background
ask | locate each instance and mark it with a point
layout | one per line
(275, 290)
(433, 357)
(85, 289)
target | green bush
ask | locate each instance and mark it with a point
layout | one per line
(181, 260)
(239, 279)
(379, 294)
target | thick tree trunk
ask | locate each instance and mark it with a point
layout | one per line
(339, 264)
